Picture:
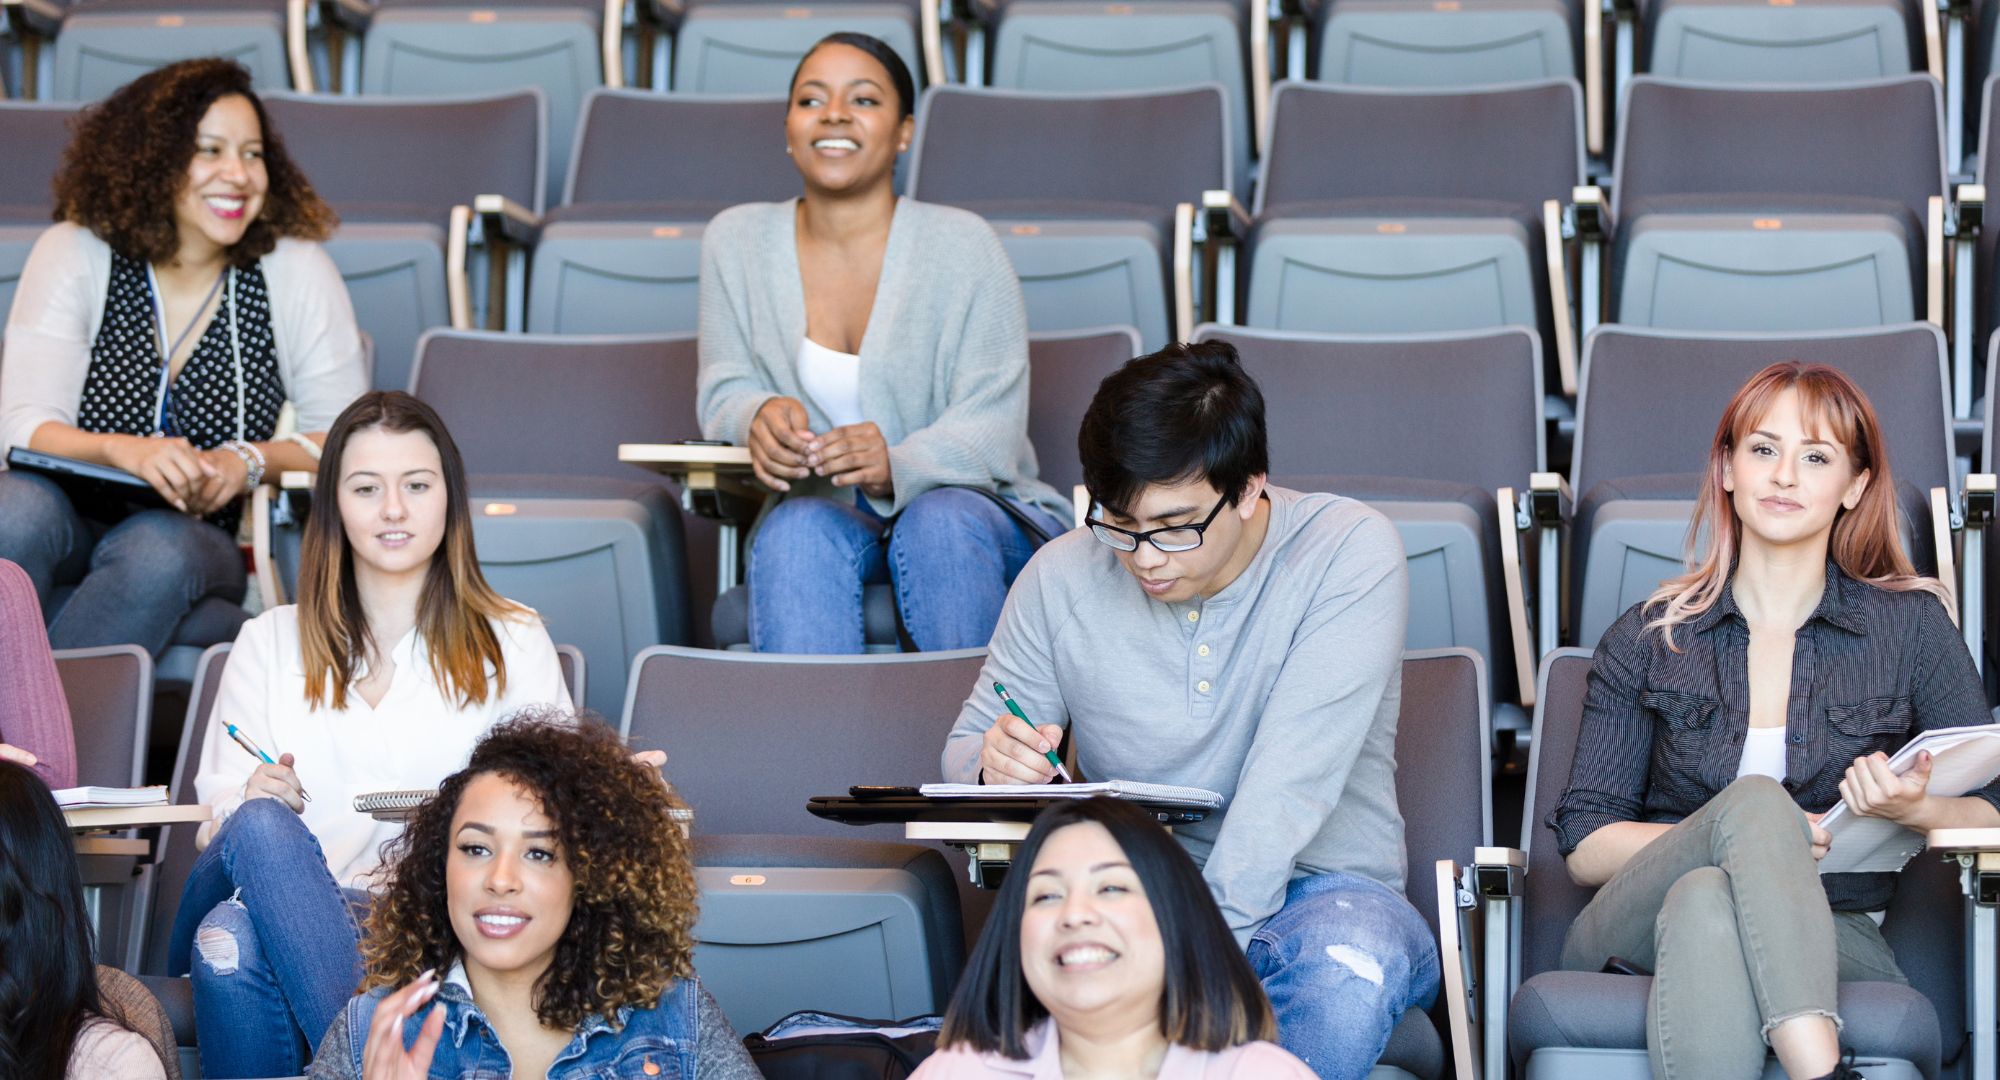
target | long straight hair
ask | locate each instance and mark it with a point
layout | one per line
(48, 982)
(457, 607)
(1212, 1000)
(1865, 543)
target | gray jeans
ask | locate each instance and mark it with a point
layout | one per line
(1727, 910)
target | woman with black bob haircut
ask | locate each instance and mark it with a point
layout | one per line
(544, 898)
(55, 1021)
(871, 352)
(1105, 956)
(181, 300)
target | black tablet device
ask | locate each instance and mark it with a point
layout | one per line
(99, 492)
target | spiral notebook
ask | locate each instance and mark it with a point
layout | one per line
(1117, 789)
(399, 805)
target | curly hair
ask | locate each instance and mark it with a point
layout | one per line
(127, 161)
(631, 925)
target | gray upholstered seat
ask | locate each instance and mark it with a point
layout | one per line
(1590, 1026)
(1774, 208)
(592, 544)
(751, 46)
(34, 134)
(1406, 44)
(109, 690)
(393, 168)
(1360, 415)
(622, 255)
(1646, 417)
(1090, 228)
(1737, 42)
(1436, 226)
(104, 44)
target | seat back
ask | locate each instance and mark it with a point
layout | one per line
(1442, 736)
(751, 737)
(1551, 900)
(1647, 410)
(1146, 149)
(34, 134)
(642, 147)
(1878, 139)
(176, 852)
(570, 659)
(110, 694)
(1987, 291)
(107, 43)
(1519, 144)
(1064, 371)
(393, 168)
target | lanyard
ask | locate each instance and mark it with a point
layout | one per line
(167, 357)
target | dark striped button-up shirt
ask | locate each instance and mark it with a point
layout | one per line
(1663, 731)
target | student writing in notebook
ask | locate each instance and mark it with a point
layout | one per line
(397, 657)
(1211, 630)
(523, 931)
(1733, 707)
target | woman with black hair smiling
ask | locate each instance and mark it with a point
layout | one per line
(872, 353)
(161, 325)
(1105, 956)
(546, 900)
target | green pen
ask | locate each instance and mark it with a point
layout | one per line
(1023, 717)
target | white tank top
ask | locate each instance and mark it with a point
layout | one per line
(1763, 753)
(832, 380)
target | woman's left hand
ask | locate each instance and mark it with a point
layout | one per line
(224, 477)
(1872, 789)
(855, 455)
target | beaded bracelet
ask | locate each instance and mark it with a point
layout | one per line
(253, 461)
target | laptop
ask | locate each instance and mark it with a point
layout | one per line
(99, 492)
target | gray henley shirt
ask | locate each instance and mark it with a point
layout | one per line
(1280, 692)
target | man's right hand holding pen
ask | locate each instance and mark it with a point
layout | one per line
(1015, 751)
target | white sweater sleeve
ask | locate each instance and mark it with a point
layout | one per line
(49, 331)
(242, 699)
(319, 343)
(534, 672)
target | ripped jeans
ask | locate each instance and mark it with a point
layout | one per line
(272, 940)
(1727, 910)
(1342, 961)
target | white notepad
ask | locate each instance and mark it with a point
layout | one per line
(1963, 758)
(1117, 789)
(87, 798)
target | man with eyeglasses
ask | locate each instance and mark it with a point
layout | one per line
(1210, 630)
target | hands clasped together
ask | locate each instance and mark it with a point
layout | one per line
(783, 448)
(197, 482)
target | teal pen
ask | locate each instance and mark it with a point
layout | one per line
(257, 752)
(1008, 699)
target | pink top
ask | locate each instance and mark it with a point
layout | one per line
(1251, 1061)
(34, 714)
(105, 1051)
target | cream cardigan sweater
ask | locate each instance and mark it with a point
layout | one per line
(944, 363)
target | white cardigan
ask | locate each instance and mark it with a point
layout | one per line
(415, 738)
(60, 305)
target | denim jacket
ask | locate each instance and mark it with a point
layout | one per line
(657, 1043)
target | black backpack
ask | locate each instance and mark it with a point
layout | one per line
(811, 1045)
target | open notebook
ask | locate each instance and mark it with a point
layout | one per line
(1117, 789)
(1962, 759)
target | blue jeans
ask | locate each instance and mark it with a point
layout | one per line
(272, 940)
(1342, 961)
(135, 581)
(951, 557)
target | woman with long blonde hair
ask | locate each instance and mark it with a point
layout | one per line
(396, 659)
(1730, 710)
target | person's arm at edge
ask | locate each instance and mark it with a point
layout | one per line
(48, 349)
(1319, 713)
(728, 388)
(719, 1053)
(978, 435)
(1597, 828)
(1021, 657)
(28, 671)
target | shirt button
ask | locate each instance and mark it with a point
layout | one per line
(1202, 686)
(1798, 738)
(1194, 616)
(1203, 651)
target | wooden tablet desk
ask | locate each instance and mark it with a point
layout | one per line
(716, 482)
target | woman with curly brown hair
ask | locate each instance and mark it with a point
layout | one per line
(546, 899)
(160, 326)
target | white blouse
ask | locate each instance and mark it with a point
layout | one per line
(414, 739)
(1763, 753)
(59, 308)
(832, 380)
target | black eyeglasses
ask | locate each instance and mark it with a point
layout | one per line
(1171, 540)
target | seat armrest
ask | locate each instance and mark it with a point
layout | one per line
(1583, 222)
(263, 567)
(1934, 279)
(1183, 267)
(298, 25)
(1933, 28)
(1513, 585)
(1943, 525)
(1964, 841)
(1223, 219)
(611, 43)
(1459, 962)
(1969, 209)
(1219, 231)
(352, 16)
(295, 480)
(506, 219)
(1495, 881)
(716, 481)
(32, 19)
(1596, 95)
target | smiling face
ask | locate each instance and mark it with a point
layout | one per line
(392, 500)
(1788, 481)
(1090, 947)
(845, 127)
(1227, 545)
(508, 886)
(226, 179)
